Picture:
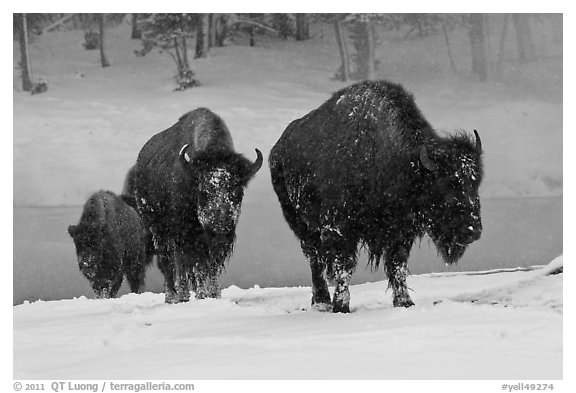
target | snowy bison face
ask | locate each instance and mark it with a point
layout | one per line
(103, 277)
(454, 217)
(219, 201)
(220, 181)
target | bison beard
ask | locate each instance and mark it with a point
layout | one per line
(111, 241)
(366, 168)
(189, 185)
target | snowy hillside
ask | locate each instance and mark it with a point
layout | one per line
(497, 325)
(93, 121)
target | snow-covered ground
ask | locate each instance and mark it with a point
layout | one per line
(505, 325)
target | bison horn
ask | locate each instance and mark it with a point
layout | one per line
(255, 167)
(426, 160)
(478, 142)
(184, 157)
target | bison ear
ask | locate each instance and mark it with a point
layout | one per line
(72, 230)
(183, 155)
(426, 160)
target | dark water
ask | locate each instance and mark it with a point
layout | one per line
(517, 232)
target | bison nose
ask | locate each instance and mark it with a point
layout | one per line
(471, 233)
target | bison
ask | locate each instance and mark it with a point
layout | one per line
(366, 168)
(111, 242)
(189, 184)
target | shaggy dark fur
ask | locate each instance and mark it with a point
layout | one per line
(111, 242)
(366, 168)
(189, 185)
(129, 197)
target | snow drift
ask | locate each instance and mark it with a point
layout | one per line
(493, 325)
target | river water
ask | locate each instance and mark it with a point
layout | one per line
(517, 232)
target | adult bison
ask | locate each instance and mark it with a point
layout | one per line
(367, 168)
(111, 242)
(189, 184)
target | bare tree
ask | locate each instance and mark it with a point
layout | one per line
(103, 58)
(341, 39)
(448, 47)
(302, 27)
(478, 45)
(22, 28)
(502, 46)
(202, 36)
(523, 37)
(136, 32)
(212, 21)
(370, 56)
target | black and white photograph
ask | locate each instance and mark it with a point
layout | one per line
(288, 196)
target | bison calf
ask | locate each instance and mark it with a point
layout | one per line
(367, 168)
(111, 241)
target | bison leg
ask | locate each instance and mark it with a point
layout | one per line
(320, 293)
(165, 266)
(342, 276)
(212, 285)
(116, 285)
(181, 278)
(136, 279)
(136, 272)
(200, 280)
(397, 271)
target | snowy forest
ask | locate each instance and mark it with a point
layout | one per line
(90, 89)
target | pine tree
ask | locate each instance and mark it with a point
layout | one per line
(168, 32)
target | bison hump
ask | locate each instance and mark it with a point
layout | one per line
(206, 130)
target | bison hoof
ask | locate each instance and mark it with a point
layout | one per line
(322, 307)
(170, 298)
(183, 297)
(341, 308)
(403, 302)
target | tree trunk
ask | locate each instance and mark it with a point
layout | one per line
(136, 32)
(24, 53)
(185, 54)
(302, 27)
(220, 29)
(450, 57)
(179, 61)
(502, 46)
(477, 43)
(252, 36)
(523, 37)
(212, 30)
(202, 37)
(341, 39)
(487, 44)
(370, 58)
(103, 58)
